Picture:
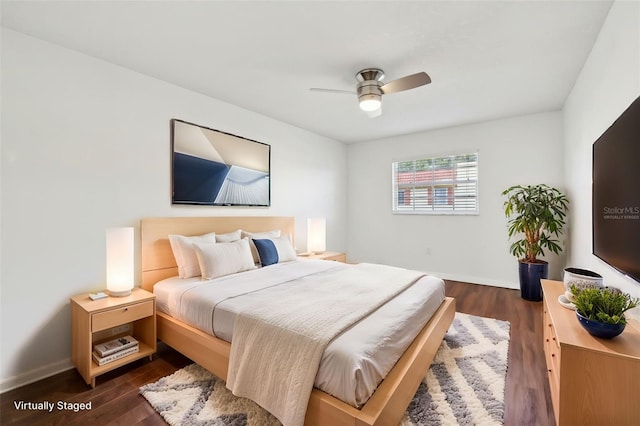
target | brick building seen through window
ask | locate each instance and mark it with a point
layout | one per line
(436, 185)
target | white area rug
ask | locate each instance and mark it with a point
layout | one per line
(464, 385)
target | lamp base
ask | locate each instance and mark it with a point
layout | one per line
(121, 293)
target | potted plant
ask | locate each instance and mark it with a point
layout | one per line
(601, 310)
(538, 214)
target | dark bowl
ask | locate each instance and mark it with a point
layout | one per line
(600, 329)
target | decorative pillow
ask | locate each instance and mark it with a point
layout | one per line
(275, 250)
(218, 260)
(229, 237)
(185, 254)
(259, 235)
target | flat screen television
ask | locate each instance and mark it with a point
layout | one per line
(616, 193)
(214, 168)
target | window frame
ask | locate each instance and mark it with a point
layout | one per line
(436, 185)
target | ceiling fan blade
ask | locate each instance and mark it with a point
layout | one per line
(405, 83)
(344, 92)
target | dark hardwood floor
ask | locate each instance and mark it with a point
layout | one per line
(527, 395)
(116, 401)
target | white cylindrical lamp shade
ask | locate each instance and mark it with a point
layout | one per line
(119, 261)
(316, 235)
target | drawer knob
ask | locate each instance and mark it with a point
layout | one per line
(126, 309)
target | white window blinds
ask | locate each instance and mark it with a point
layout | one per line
(438, 185)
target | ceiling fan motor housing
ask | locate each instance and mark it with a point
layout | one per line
(369, 92)
(375, 74)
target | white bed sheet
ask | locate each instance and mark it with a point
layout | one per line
(354, 363)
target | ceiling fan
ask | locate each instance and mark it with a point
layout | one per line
(370, 88)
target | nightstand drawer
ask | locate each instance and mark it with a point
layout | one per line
(121, 315)
(337, 258)
(327, 255)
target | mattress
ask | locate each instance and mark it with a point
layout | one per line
(354, 363)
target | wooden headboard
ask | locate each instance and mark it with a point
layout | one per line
(157, 261)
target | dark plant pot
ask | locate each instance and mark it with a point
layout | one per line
(600, 329)
(530, 276)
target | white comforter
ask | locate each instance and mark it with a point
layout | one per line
(354, 363)
(279, 342)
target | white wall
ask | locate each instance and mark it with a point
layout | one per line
(608, 83)
(518, 150)
(85, 146)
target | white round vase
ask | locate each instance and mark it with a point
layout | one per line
(581, 278)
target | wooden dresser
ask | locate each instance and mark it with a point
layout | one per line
(593, 381)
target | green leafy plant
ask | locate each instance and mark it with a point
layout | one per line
(603, 304)
(539, 213)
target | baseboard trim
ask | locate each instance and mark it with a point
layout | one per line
(34, 375)
(477, 280)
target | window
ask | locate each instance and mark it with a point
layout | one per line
(439, 185)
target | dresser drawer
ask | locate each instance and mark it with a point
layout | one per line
(121, 315)
(551, 350)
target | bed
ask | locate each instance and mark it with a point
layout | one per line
(385, 406)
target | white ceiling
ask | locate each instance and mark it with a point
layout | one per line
(487, 59)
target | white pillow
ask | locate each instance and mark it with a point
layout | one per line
(228, 237)
(257, 235)
(275, 250)
(217, 260)
(185, 254)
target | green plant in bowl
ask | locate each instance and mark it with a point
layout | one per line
(603, 304)
(601, 310)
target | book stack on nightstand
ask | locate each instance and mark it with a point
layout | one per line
(104, 353)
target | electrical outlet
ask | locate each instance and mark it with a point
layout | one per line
(427, 251)
(125, 328)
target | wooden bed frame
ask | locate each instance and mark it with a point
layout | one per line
(390, 400)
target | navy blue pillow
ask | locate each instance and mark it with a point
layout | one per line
(267, 252)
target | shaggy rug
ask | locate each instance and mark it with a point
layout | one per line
(464, 385)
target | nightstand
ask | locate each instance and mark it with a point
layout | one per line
(97, 321)
(328, 255)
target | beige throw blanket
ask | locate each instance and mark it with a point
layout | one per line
(277, 347)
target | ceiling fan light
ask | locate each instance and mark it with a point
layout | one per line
(370, 102)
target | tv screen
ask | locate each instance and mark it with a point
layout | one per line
(214, 168)
(616, 193)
